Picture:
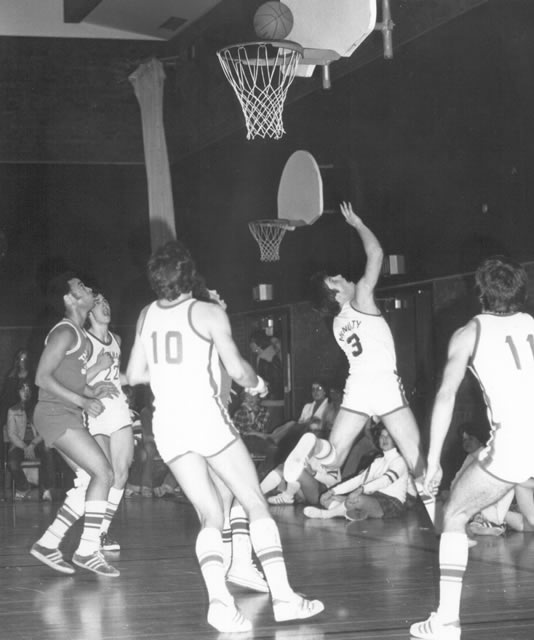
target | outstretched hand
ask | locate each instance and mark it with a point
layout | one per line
(348, 214)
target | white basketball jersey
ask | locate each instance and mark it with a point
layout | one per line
(365, 339)
(116, 412)
(184, 366)
(503, 362)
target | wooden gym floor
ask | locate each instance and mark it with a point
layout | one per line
(375, 578)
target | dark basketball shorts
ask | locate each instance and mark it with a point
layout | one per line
(52, 419)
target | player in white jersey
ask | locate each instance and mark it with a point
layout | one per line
(178, 344)
(112, 429)
(498, 347)
(373, 387)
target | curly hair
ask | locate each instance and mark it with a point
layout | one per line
(171, 271)
(501, 285)
(58, 287)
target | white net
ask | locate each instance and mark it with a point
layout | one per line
(260, 74)
(268, 234)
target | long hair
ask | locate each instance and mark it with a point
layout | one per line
(501, 284)
(171, 271)
(322, 298)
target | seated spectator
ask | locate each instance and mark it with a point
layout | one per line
(335, 397)
(286, 436)
(26, 444)
(377, 492)
(251, 419)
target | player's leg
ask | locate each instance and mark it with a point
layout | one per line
(236, 468)
(330, 453)
(119, 447)
(473, 490)
(81, 451)
(238, 563)
(522, 520)
(191, 472)
(402, 427)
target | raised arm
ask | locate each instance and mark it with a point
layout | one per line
(460, 350)
(373, 250)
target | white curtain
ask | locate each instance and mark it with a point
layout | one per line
(148, 80)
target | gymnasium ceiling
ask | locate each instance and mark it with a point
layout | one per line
(66, 97)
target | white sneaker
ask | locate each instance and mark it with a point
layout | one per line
(246, 575)
(315, 512)
(296, 461)
(227, 618)
(434, 629)
(281, 499)
(297, 608)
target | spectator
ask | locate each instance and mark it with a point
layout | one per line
(377, 492)
(268, 363)
(288, 434)
(26, 444)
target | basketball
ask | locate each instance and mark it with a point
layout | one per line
(273, 21)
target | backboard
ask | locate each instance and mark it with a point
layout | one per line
(334, 27)
(300, 192)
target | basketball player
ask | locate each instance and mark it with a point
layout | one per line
(63, 395)
(178, 343)
(237, 550)
(373, 387)
(112, 428)
(498, 347)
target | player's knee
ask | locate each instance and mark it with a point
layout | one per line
(456, 516)
(326, 453)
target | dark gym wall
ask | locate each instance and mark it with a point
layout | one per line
(438, 144)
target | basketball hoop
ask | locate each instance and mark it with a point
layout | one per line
(268, 234)
(260, 74)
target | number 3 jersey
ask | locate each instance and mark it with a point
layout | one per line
(116, 414)
(503, 362)
(366, 340)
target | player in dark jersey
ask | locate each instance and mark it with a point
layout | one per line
(63, 395)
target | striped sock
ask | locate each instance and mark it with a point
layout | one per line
(453, 551)
(94, 514)
(209, 550)
(70, 512)
(266, 542)
(227, 543)
(241, 545)
(114, 498)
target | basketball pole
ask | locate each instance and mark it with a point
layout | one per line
(386, 27)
